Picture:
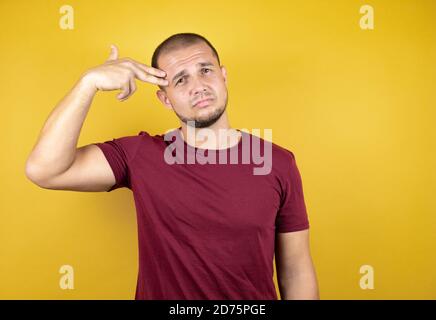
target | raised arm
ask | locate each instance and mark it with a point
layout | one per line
(55, 162)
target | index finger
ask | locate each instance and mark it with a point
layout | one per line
(154, 71)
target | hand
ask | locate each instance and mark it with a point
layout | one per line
(120, 74)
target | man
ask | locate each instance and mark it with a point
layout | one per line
(206, 231)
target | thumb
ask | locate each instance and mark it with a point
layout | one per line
(114, 53)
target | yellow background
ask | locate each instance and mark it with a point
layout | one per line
(357, 107)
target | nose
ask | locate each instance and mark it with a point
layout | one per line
(198, 87)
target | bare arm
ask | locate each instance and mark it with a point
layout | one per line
(295, 271)
(55, 162)
(55, 150)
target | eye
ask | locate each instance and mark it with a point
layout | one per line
(178, 81)
(205, 70)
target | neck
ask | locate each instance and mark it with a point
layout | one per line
(219, 135)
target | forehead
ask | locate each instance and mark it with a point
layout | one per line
(178, 59)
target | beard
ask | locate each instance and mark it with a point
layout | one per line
(202, 122)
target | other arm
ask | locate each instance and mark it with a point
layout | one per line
(295, 271)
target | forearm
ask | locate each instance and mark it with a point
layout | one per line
(300, 286)
(55, 149)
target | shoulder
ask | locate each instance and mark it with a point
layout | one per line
(157, 140)
(142, 136)
(275, 158)
(127, 145)
(284, 162)
(282, 155)
(282, 158)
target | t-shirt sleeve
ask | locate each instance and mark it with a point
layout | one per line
(292, 214)
(119, 153)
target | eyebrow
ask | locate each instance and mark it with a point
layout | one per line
(183, 72)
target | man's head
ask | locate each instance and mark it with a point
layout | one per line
(194, 73)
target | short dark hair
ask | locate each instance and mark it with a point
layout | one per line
(177, 41)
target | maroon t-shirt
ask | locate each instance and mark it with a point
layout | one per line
(207, 231)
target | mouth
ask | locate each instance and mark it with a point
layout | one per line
(203, 103)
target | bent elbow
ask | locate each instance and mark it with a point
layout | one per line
(35, 175)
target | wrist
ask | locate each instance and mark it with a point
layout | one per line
(86, 84)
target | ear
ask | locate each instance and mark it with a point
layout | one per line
(164, 99)
(224, 73)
